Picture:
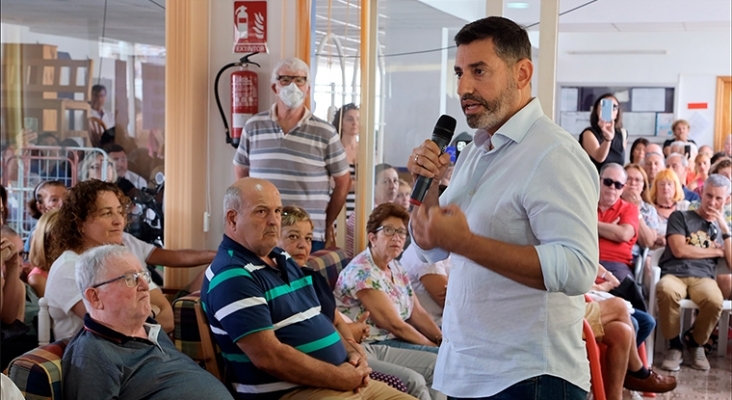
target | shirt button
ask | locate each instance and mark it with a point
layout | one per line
(471, 193)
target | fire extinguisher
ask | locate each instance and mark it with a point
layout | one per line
(244, 98)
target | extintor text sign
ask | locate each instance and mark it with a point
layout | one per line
(250, 26)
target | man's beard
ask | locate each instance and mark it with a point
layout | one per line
(494, 110)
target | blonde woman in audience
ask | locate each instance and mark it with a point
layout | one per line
(374, 282)
(405, 191)
(701, 173)
(413, 368)
(93, 214)
(91, 168)
(40, 252)
(667, 196)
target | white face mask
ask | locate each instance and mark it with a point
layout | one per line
(291, 96)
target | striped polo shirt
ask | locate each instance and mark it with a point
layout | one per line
(241, 295)
(299, 163)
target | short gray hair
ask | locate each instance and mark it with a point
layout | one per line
(292, 63)
(684, 161)
(717, 180)
(95, 262)
(653, 153)
(232, 199)
(613, 165)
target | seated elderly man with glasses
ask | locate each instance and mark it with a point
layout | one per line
(121, 353)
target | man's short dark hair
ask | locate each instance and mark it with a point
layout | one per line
(113, 148)
(511, 41)
(98, 88)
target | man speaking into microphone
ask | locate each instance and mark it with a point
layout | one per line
(519, 218)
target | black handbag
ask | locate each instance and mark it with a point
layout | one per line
(14, 330)
(629, 290)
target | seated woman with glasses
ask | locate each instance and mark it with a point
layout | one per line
(605, 141)
(93, 214)
(395, 367)
(374, 282)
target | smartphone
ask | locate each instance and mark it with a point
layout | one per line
(606, 110)
(687, 151)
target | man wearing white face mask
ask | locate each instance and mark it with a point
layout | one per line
(296, 151)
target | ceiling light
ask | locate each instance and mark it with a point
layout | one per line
(518, 5)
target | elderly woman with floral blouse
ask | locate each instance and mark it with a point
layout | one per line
(376, 283)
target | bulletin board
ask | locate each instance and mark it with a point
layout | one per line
(646, 111)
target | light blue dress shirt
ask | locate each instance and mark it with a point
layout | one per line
(536, 187)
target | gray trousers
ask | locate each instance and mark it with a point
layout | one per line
(415, 368)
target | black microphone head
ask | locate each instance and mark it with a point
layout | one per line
(445, 127)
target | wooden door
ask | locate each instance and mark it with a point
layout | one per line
(723, 112)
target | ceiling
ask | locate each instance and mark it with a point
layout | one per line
(143, 21)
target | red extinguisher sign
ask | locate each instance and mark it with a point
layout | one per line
(250, 26)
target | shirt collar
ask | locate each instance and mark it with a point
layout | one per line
(273, 114)
(514, 129)
(105, 332)
(280, 256)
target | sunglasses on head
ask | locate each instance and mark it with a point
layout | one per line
(609, 182)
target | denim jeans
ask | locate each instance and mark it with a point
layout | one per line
(405, 345)
(643, 324)
(543, 387)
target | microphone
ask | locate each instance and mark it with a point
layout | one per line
(441, 135)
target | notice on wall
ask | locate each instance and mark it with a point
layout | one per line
(574, 122)
(663, 124)
(648, 99)
(568, 100)
(640, 124)
(250, 26)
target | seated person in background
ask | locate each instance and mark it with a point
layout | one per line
(636, 192)
(274, 346)
(706, 149)
(21, 304)
(386, 189)
(47, 196)
(122, 353)
(92, 167)
(412, 367)
(40, 252)
(638, 150)
(611, 323)
(429, 282)
(667, 196)
(617, 223)
(679, 164)
(688, 266)
(126, 179)
(681, 129)
(93, 215)
(375, 282)
(405, 192)
(653, 164)
(701, 173)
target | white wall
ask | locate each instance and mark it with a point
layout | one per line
(691, 65)
(221, 154)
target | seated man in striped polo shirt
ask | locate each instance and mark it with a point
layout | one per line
(265, 315)
(297, 151)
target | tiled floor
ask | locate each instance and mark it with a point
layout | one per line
(715, 384)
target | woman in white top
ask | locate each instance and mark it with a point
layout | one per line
(93, 214)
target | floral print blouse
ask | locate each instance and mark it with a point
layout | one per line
(362, 273)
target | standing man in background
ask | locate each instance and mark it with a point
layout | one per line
(297, 151)
(520, 221)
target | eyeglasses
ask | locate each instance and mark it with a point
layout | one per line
(615, 106)
(286, 79)
(131, 279)
(609, 182)
(390, 231)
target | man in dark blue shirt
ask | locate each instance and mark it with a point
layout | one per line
(264, 312)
